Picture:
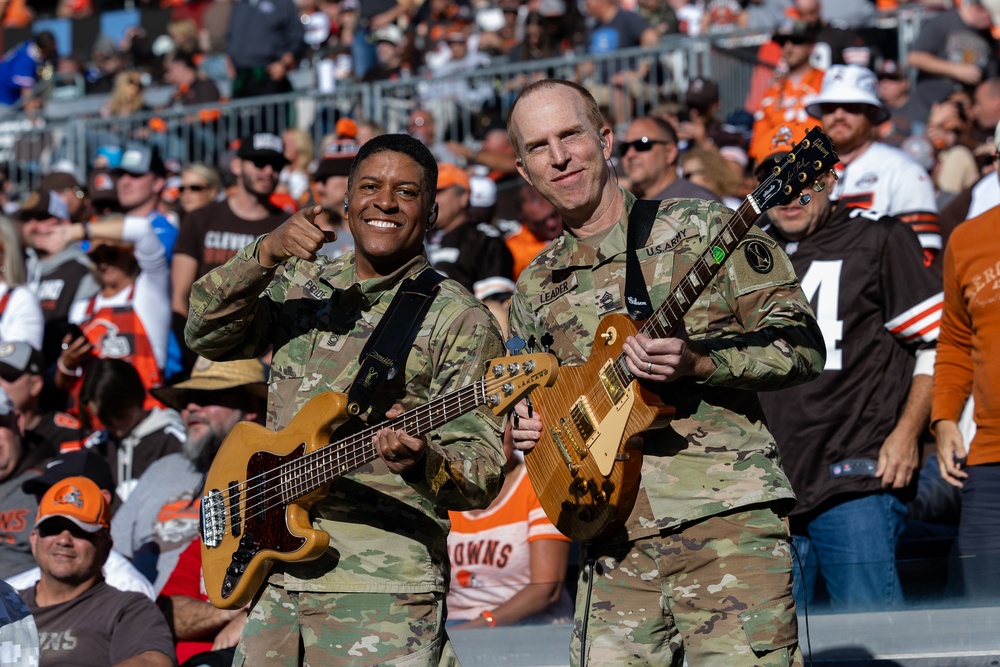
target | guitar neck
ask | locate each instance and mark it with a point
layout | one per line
(669, 315)
(333, 461)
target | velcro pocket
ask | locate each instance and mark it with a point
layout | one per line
(771, 626)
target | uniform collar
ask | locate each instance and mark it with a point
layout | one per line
(567, 251)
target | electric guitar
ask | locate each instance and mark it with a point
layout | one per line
(585, 468)
(262, 483)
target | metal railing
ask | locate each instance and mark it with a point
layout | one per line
(463, 104)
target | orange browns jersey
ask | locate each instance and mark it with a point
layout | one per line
(784, 103)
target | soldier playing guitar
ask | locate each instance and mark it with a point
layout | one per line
(702, 564)
(376, 594)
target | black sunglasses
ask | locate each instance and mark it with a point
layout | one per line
(641, 145)
(192, 188)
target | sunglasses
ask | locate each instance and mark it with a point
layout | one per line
(193, 188)
(260, 163)
(855, 108)
(798, 41)
(642, 144)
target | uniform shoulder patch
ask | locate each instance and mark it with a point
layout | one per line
(758, 256)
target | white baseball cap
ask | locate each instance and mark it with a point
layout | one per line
(848, 84)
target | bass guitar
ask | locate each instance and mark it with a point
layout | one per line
(255, 510)
(586, 466)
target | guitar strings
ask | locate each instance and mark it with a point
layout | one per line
(349, 453)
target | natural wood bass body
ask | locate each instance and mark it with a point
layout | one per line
(585, 468)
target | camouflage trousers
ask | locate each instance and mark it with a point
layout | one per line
(718, 590)
(289, 628)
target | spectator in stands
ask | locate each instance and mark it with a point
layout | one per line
(508, 561)
(472, 254)
(949, 135)
(72, 192)
(15, 14)
(650, 162)
(58, 270)
(874, 176)
(265, 42)
(21, 317)
(294, 178)
(133, 437)
(954, 49)
(214, 233)
(708, 169)
(422, 126)
(389, 65)
(102, 192)
(373, 15)
(20, 66)
(495, 153)
(700, 124)
(22, 368)
(200, 186)
(835, 45)
(612, 29)
(18, 463)
(330, 188)
(967, 366)
(107, 63)
(539, 224)
(452, 97)
(127, 96)
(18, 634)
(130, 317)
(853, 469)
(894, 91)
(192, 87)
(797, 82)
(367, 129)
(139, 179)
(198, 626)
(118, 571)
(162, 514)
(86, 621)
(985, 108)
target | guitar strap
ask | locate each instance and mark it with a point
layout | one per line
(389, 345)
(640, 224)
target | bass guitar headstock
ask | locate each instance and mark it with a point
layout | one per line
(509, 379)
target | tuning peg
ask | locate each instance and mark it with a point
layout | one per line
(804, 199)
(531, 344)
(819, 186)
(515, 345)
(547, 340)
(836, 177)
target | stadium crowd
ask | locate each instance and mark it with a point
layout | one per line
(108, 422)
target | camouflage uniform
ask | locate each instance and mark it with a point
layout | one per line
(686, 573)
(387, 551)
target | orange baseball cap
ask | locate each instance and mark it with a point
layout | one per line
(78, 499)
(782, 141)
(450, 175)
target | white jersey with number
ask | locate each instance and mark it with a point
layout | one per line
(890, 181)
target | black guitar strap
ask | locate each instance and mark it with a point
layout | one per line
(389, 345)
(640, 224)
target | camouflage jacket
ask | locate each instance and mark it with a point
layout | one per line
(717, 453)
(387, 534)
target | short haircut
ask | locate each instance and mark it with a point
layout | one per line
(112, 385)
(592, 109)
(408, 146)
(202, 170)
(663, 126)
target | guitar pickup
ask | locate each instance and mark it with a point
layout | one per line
(234, 508)
(612, 382)
(583, 419)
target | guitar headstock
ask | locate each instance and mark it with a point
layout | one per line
(509, 379)
(808, 160)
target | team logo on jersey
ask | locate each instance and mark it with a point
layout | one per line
(867, 180)
(758, 257)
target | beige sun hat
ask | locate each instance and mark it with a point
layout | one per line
(243, 376)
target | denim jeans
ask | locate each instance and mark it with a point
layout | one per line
(852, 545)
(979, 532)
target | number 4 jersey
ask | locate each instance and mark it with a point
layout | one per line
(877, 305)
